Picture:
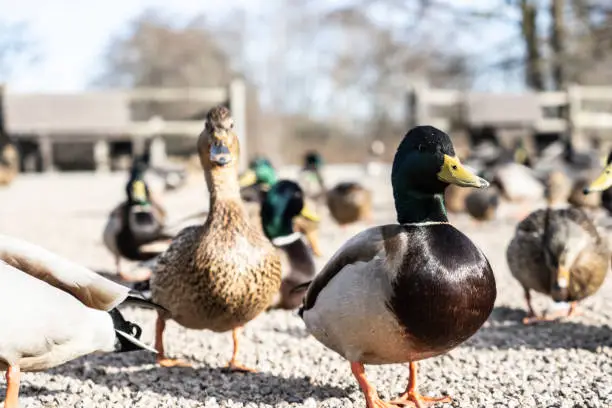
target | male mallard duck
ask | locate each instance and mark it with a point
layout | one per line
(349, 202)
(222, 274)
(258, 179)
(311, 176)
(55, 311)
(136, 227)
(603, 184)
(558, 252)
(282, 204)
(9, 163)
(255, 183)
(405, 292)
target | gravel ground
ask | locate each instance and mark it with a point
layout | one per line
(564, 364)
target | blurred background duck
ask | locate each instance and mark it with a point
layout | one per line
(222, 274)
(602, 185)
(560, 253)
(258, 180)
(557, 189)
(135, 229)
(404, 292)
(9, 160)
(282, 204)
(59, 311)
(349, 202)
(482, 205)
(310, 178)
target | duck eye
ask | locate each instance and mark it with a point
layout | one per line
(454, 167)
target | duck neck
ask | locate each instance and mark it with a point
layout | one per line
(417, 208)
(223, 187)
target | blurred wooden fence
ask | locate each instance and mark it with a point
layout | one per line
(579, 111)
(100, 118)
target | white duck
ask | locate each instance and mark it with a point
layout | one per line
(71, 312)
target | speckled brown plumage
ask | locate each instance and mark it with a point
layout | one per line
(540, 236)
(349, 202)
(222, 274)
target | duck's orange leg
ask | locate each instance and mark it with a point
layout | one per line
(313, 239)
(412, 397)
(572, 310)
(162, 360)
(233, 364)
(13, 376)
(369, 392)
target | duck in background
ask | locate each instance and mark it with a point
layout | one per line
(258, 180)
(55, 311)
(482, 205)
(9, 160)
(224, 273)
(281, 206)
(557, 189)
(135, 228)
(349, 202)
(560, 253)
(602, 185)
(310, 178)
(404, 292)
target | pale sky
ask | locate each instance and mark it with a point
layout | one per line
(71, 35)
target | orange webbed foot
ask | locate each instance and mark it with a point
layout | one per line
(240, 368)
(171, 362)
(418, 400)
(376, 402)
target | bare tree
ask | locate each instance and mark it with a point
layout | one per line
(157, 52)
(15, 44)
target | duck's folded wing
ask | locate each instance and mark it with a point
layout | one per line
(363, 247)
(90, 288)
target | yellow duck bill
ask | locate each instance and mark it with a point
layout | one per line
(601, 183)
(453, 172)
(248, 178)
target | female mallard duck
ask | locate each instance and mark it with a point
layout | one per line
(577, 197)
(9, 163)
(405, 292)
(71, 312)
(222, 274)
(558, 188)
(349, 202)
(135, 229)
(282, 204)
(558, 252)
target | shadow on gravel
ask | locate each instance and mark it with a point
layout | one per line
(29, 390)
(196, 384)
(505, 330)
